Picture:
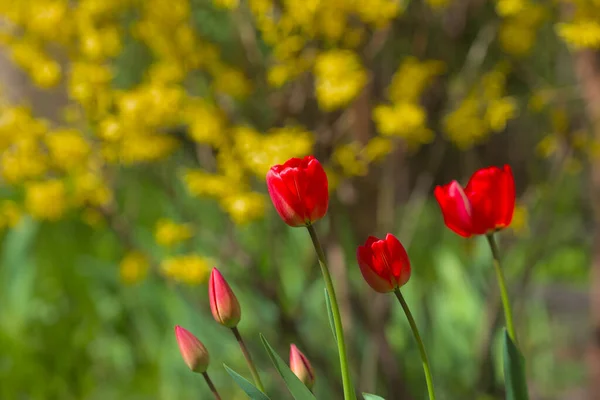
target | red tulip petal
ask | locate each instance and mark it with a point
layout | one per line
(400, 263)
(491, 193)
(369, 264)
(456, 208)
(507, 198)
(286, 201)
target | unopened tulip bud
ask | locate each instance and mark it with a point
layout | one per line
(223, 303)
(192, 350)
(301, 367)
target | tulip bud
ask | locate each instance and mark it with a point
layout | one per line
(192, 350)
(301, 367)
(299, 190)
(223, 303)
(384, 263)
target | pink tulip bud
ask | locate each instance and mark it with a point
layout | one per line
(223, 303)
(301, 367)
(192, 350)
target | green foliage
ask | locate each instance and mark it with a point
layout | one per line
(248, 388)
(298, 390)
(514, 371)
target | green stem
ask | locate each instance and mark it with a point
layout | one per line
(248, 358)
(415, 331)
(349, 393)
(502, 285)
(211, 386)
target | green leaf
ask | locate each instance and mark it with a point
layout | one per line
(295, 385)
(368, 396)
(330, 313)
(246, 386)
(514, 371)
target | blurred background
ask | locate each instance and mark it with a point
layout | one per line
(135, 137)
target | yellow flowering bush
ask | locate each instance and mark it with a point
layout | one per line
(212, 95)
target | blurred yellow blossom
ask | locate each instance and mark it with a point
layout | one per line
(169, 233)
(191, 269)
(547, 146)
(261, 151)
(46, 200)
(484, 110)
(10, 214)
(520, 221)
(509, 7)
(339, 78)
(405, 120)
(378, 148)
(200, 183)
(412, 77)
(134, 267)
(68, 149)
(206, 122)
(584, 33)
(244, 208)
(349, 157)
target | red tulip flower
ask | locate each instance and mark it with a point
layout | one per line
(224, 305)
(485, 205)
(192, 350)
(301, 367)
(299, 190)
(384, 263)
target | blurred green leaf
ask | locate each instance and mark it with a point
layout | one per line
(368, 396)
(514, 371)
(246, 386)
(330, 313)
(295, 385)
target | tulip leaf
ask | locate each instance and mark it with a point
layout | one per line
(514, 371)
(368, 396)
(252, 391)
(330, 313)
(298, 389)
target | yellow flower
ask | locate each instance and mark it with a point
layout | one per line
(244, 208)
(228, 4)
(520, 221)
(134, 267)
(200, 183)
(412, 77)
(25, 160)
(46, 200)
(547, 146)
(506, 8)
(10, 214)
(230, 81)
(499, 112)
(584, 33)
(169, 233)
(191, 269)
(378, 148)
(261, 151)
(339, 77)
(206, 123)
(348, 156)
(405, 120)
(516, 39)
(68, 149)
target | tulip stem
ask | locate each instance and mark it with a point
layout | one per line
(248, 358)
(502, 285)
(211, 385)
(415, 331)
(349, 393)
